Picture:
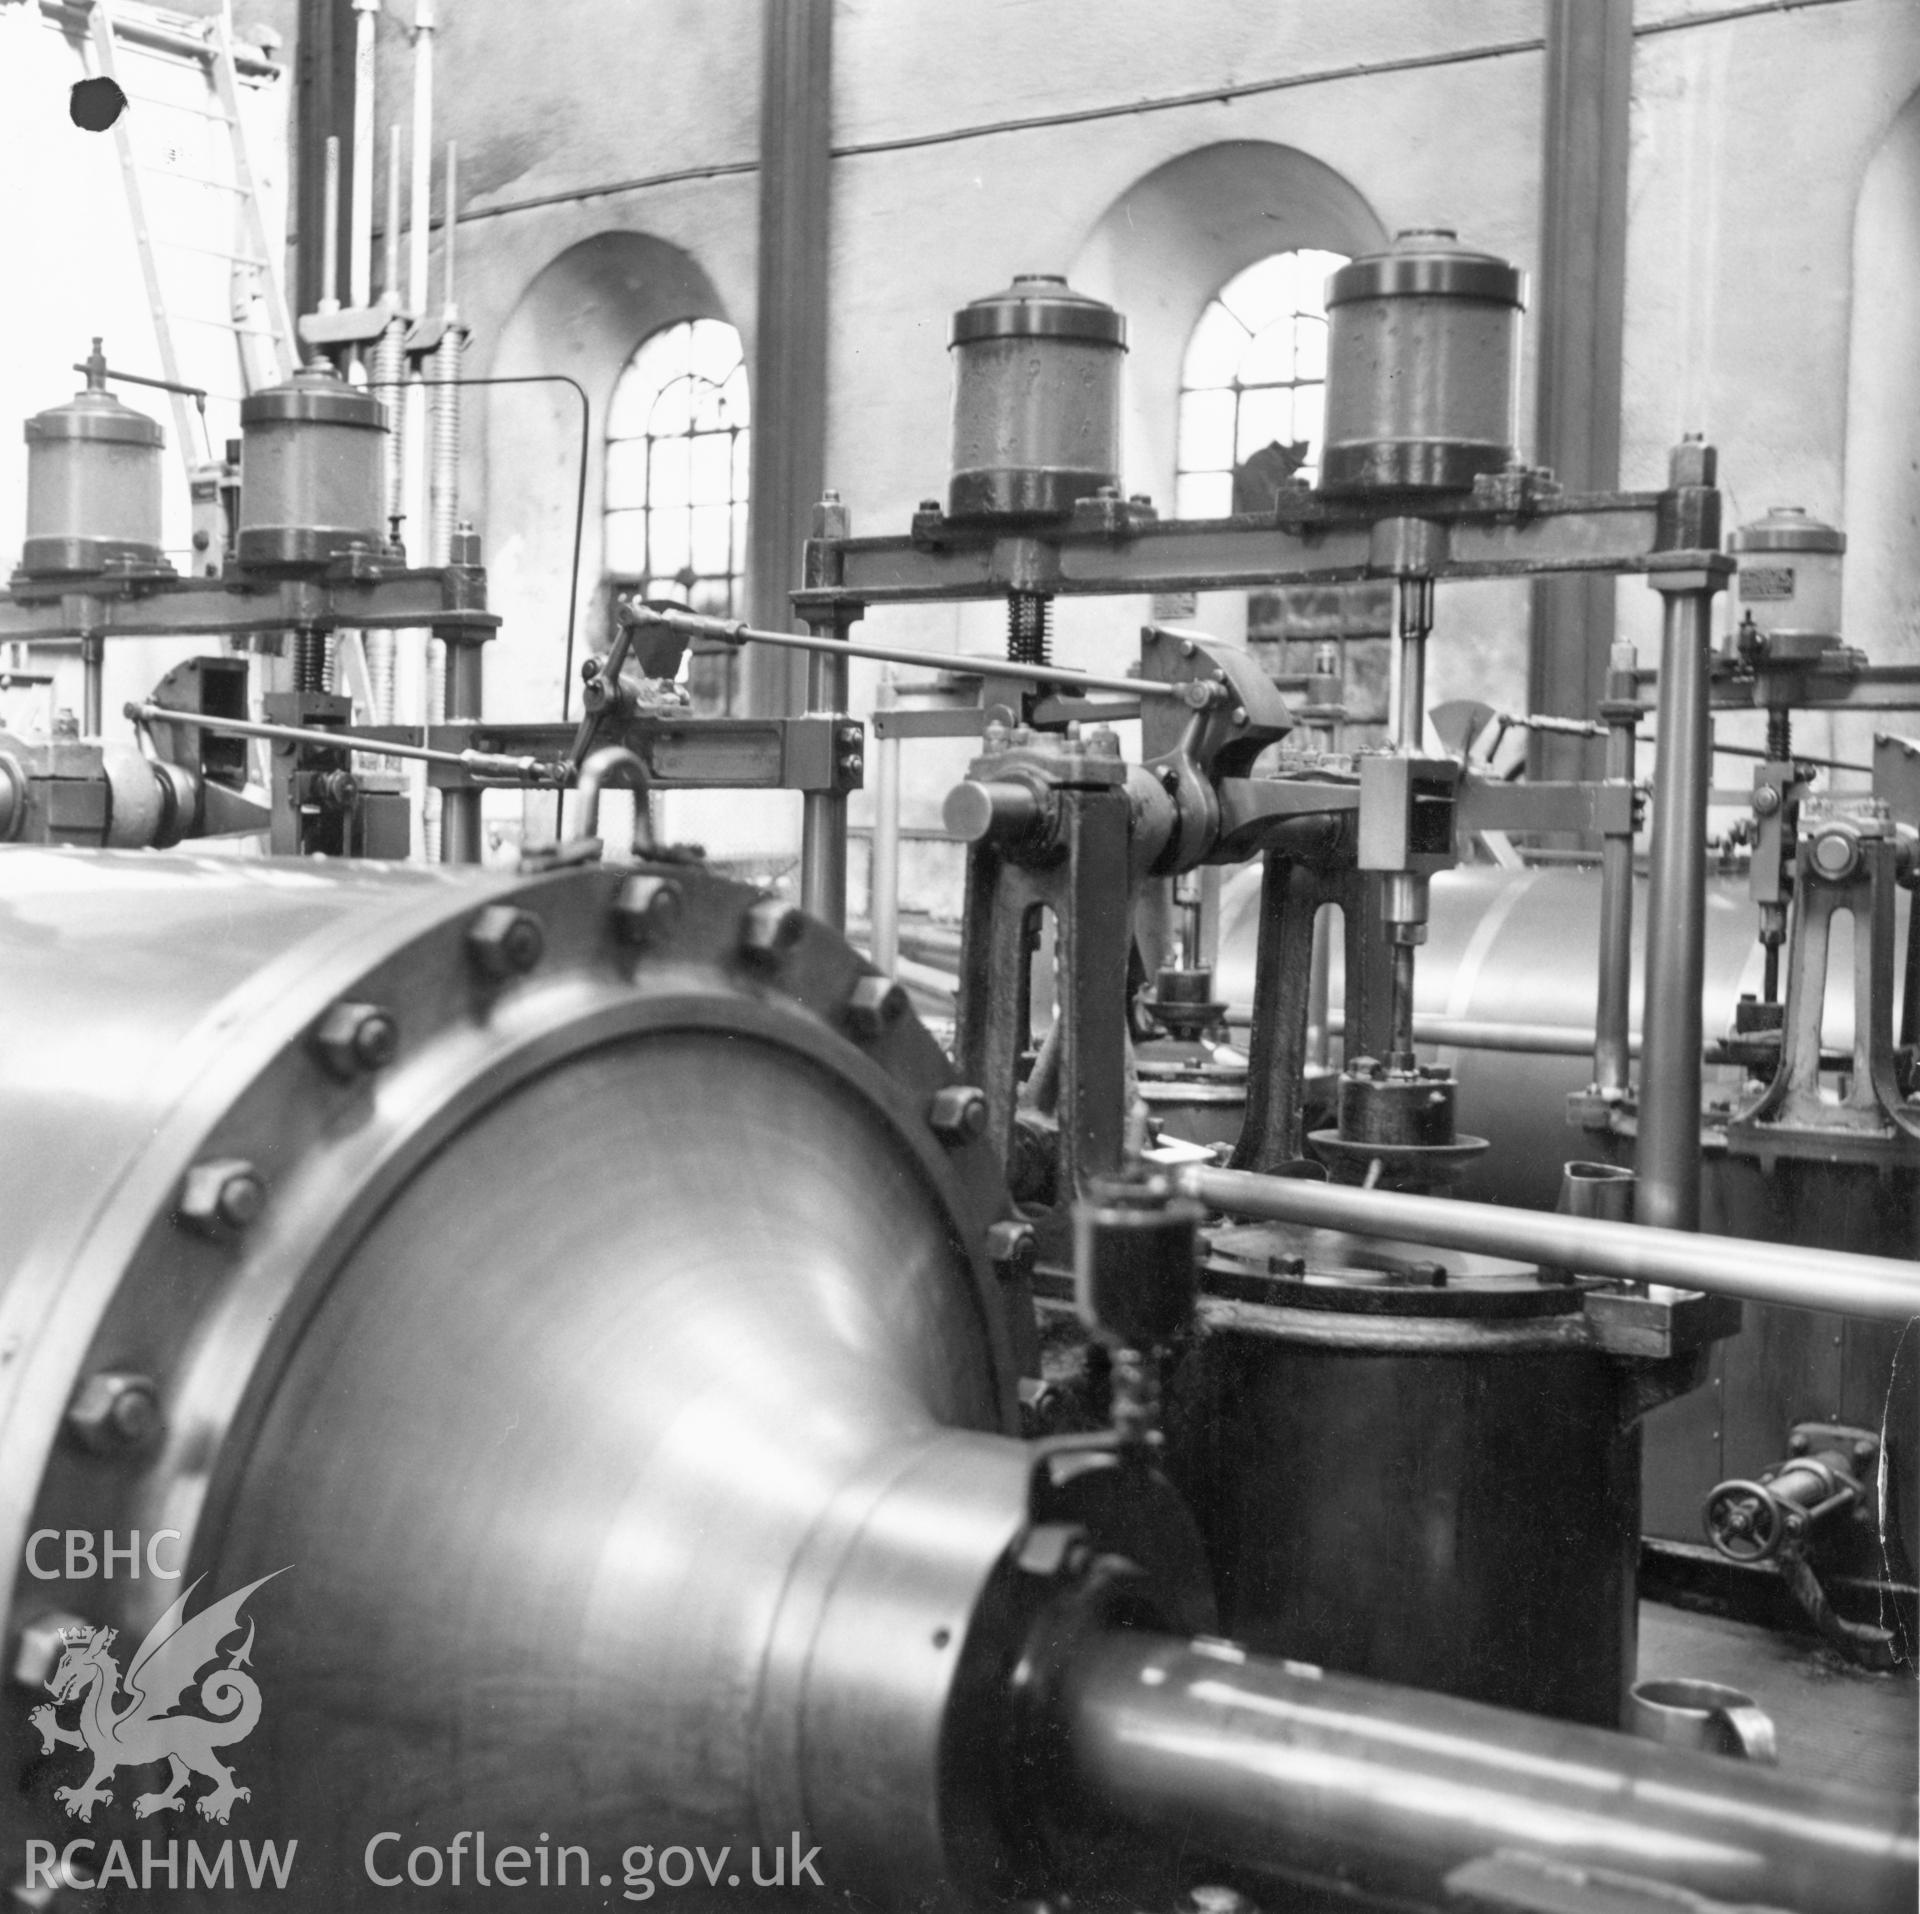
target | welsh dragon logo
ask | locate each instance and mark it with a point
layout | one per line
(140, 1728)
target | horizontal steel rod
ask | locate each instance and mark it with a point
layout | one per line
(1295, 1771)
(1760, 1272)
(733, 632)
(482, 763)
(1591, 728)
(1530, 1039)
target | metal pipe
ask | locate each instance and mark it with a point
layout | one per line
(360, 236)
(444, 484)
(330, 229)
(613, 763)
(823, 814)
(419, 233)
(413, 703)
(1298, 1772)
(1845, 1284)
(1668, 1149)
(390, 289)
(883, 906)
(1613, 1002)
(733, 631)
(449, 222)
(389, 363)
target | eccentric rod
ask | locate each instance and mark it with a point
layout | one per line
(482, 763)
(1298, 1772)
(732, 631)
(1834, 1280)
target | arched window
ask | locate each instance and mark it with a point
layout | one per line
(676, 480)
(1255, 376)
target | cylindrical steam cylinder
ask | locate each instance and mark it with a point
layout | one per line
(1412, 1466)
(1036, 400)
(538, 1291)
(1422, 351)
(1787, 581)
(312, 473)
(93, 485)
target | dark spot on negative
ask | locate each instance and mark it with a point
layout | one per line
(95, 104)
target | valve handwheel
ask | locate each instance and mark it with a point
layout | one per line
(1745, 1522)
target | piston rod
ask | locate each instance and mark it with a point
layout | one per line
(490, 764)
(1833, 1280)
(732, 631)
(1296, 1772)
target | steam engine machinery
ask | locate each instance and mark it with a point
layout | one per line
(639, 1393)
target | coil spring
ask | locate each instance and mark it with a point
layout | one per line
(309, 661)
(1029, 628)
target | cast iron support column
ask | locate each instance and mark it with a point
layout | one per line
(1580, 307)
(1668, 1153)
(790, 341)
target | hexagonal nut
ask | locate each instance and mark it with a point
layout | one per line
(1051, 1549)
(114, 1410)
(646, 910)
(222, 1193)
(42, 1641)
(505, 941)
(958, 1114)
(1013, 1249)
(874, 1004)
(769, 929)
(356, 1039)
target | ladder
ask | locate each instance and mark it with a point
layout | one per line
(255, 321)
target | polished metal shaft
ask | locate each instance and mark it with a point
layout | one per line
(460, 810)
(823, 814)
(1613, 1012)
(1878, 1286)
(1298, 1773)
(1668, 1152)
